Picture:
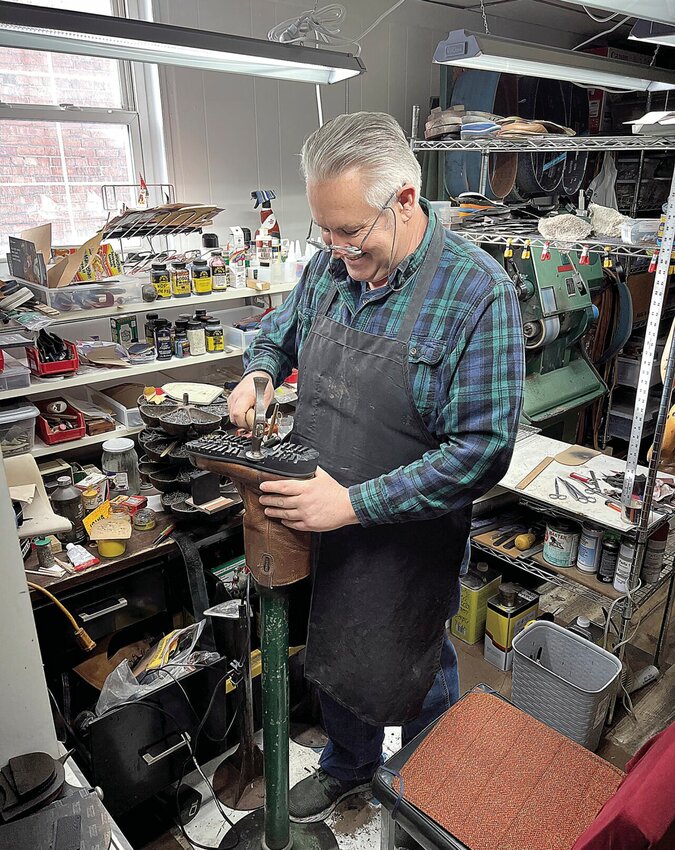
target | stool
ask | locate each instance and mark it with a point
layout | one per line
(486, 775)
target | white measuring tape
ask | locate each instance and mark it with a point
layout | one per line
(649, 353)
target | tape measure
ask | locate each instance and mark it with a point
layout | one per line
(648, 355)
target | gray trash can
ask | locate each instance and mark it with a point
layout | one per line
(564, 680)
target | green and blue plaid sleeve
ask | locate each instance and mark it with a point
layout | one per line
(476, 426)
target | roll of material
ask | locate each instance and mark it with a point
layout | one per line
(576, 107)
(541, 173)
(489, 92)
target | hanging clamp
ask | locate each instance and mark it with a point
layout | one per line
(546, 251)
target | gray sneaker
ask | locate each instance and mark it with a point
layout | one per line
(314, 798)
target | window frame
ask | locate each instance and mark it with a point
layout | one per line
(133, 82)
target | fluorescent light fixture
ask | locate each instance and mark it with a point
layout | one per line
(648, 31)
(655, 10)
(491, 53)
(40, 28)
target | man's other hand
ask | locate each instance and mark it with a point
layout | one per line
(313, 504)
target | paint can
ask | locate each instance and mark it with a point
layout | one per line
(653, 560)
(561, 542)
(590, 548)
(624, 565)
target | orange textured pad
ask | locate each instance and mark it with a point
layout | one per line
(497, 779)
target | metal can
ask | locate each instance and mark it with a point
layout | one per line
(45, 556)
(590, 548)
(653, 561)
(623, 565)
(608, 559)
(91, 499)
(561, 543)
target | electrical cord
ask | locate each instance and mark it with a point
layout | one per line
(322, 27)
(600, 20)
(604, 32)
(81, 636)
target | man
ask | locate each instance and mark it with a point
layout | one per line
(409, 346)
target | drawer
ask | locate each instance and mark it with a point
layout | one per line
(103, 607)
(136, 750)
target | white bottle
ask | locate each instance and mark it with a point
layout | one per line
(290, 265)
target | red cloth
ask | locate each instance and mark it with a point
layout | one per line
(641, 814)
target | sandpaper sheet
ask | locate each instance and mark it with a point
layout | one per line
(497, 779)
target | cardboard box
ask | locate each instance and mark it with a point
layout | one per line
(477, 586)
(641, 286)
(504, 622)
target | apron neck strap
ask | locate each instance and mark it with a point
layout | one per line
(425, 275)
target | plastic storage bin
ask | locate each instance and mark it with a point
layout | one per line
(14, 376)
(91, 296)
(128, 416)
(564, 680)
(233, 336)
(60, 367)
(53, 438)
(17, 427)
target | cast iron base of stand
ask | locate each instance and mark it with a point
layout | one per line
(305, 836)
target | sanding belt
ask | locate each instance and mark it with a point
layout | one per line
(484, 91)
(194, 567)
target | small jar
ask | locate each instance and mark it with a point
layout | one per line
(163, 340)
(215, 339)
(120, 465)
(196, 338)
(145, 519)
(150, 321)
(202, 281)
(180, 280)
(181, 345)
(45, 556)
(161, 280)
(90, 500)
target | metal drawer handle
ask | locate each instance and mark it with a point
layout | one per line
(150, 759)
(121, 603)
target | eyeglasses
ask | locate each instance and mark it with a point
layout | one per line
(350, 251)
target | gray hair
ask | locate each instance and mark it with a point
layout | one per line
(372, 142)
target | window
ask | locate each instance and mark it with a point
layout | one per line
(67, 126)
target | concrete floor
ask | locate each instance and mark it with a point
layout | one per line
(356, 822)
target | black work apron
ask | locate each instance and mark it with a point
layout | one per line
(381, 595)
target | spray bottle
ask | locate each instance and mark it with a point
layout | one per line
(238, 259)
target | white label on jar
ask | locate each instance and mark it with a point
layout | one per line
(121, 480)
(623, 568)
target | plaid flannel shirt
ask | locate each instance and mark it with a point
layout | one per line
(466, 360)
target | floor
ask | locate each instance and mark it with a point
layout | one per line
(356, 822)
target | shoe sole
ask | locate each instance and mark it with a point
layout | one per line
(322, 815)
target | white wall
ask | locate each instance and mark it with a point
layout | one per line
(227, 134)
(25, 716)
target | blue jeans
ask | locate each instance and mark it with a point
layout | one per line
(354, 751)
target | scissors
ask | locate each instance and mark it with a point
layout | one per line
(557, 495)
(577, 494)
(592, 485)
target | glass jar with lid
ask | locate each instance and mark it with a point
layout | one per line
(120, 464)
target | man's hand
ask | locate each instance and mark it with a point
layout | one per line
(313, 504)
(242, 398)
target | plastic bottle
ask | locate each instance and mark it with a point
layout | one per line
(582, 627)
(67, 502)
(180, 280)
(196, 337)
(202, 280)
(219, 271)
(290, 265)
(150, 319)
(163, 344)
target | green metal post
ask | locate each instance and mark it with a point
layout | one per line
(274, 648)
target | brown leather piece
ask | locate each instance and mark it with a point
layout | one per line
(275, 554)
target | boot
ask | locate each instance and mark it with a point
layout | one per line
(275, 554)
